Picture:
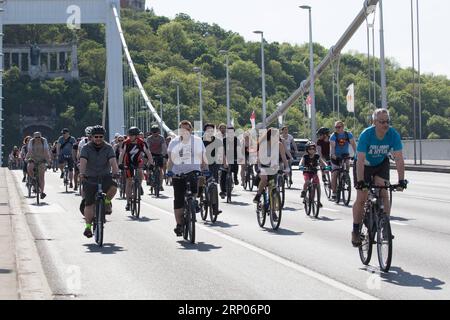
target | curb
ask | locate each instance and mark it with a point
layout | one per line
(31, 281)
(425, 168)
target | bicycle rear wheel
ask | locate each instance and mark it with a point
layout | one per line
(384, 243)
(282, 189)
(157, 183)
(99, 222)
(276, 209)
(38, 193)
(365, 249)
(261, 213)
(339, 188)
(29, 186)
(229, 187)
(204, 204)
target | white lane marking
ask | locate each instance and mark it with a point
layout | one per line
(322, 278)
(398, 223)
(333, 210)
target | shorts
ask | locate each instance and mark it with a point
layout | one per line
(130, 173)
(382, 171)
(77, 168)
(179, 190)
(311, 176)
(158, 159)
(69, 159)
(90, 188)
(336, 164)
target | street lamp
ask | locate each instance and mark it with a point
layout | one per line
(161, 112)
(145, 127)
(225, 52)
(382, 61)
(178, 100)
(263, 76)
(199, 72)
(311, 72)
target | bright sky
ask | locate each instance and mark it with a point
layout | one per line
(285, 22)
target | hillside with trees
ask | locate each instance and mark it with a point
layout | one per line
(164, 50)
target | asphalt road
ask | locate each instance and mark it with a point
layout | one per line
(306, 258)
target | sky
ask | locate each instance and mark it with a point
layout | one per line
(283, 21)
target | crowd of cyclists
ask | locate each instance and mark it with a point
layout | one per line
(220, 153)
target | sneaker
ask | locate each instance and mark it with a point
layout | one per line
(87, 233)
(23, 180)
(178, 230)
(141, 191)
(222, 195)
(356, 239)
(62, 175)
(43, 195)
(236, 182)
(320, 205)
(149, 183)
(161, 188)
(71, 185)
(333, 197)
(127, 207)
(108, 208)
(257, 198)
(76, 188)
(303, 194)
(197, 207)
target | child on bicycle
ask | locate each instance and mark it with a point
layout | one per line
(309, 163)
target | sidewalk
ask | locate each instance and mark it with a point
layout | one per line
(21, 273)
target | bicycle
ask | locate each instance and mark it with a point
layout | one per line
(271, 205)
(155, 179)
(288, 178)
(229, 184)
(209, 200)
(190, 206)
(280, 185)
(33, 183)
(375, 221)
(122, 180)
(99, 213)
(66, 173)
(343, 182)
(312, 197)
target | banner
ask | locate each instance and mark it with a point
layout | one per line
(351, 98)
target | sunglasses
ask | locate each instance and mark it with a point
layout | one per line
(384, 121)
(338, 127)
(98, 137)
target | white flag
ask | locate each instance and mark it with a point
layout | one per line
(308, 105)
(351, 98)
(253, 119)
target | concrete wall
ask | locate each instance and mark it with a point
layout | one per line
(431, 149)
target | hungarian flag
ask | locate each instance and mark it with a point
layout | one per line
(308, 105)
(253, 119)
(351, 98)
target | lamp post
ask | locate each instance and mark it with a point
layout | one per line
(225, 52)
(419, 83)
(199, 72)
(382, 61)
(263, 76)
(178, 100)
(414, 84)
(161, 111)
(311, 72)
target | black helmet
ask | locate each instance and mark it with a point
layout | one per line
(209, 125)
(97, 130)
(134, 131)
(323, 130)
(65, 130)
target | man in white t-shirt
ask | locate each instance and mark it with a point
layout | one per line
(187, 154)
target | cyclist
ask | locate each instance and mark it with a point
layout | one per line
(38, 153)
(54, 151)
(64, 151)
(158, 148)
(340, 141)
(131, 154)
(96, 160)
(186, 154)
(23, 156)
(310, 161)
(372, 161)
(14, 157)
(76, 163)
(289, 145)
(231, 146)
(266, 167)
(323, 146)
(118, 146)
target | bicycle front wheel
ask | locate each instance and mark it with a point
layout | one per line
(191, 224)
(307, 201)
(137, 200)
(229, 188)
(282, 190)
(276, 210)
(261, 213)
(99, 222)
(213, 200)
(204, 204)
(157, 183)
(315, 208)
(384, 243)
(346, 187)
(365, 249)
(327, 185)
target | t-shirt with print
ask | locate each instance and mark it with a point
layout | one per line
(97, 159)
(186, 156)
(377, 150)
(66, 145)
(342, 141)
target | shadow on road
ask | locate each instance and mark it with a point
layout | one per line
(41, 204)
(392, 218)
(237, 203)
(108, 248)
(400, 277)
(141, 219)
(289, 209)
(161, 196)
(324, 218)
(5, 271)
(68, 192)
(220, 224)
(282, 232)
(199, 246)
